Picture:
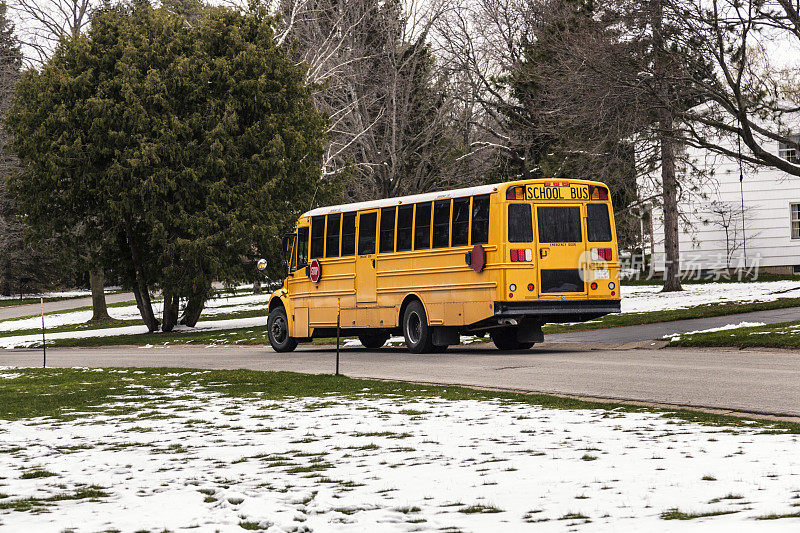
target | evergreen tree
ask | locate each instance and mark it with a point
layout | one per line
(187, 146)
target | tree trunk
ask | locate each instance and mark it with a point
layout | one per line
(170, 311)
(140, 289)
(194, 306)
(666, 140)
(669, 184)
(97, 284)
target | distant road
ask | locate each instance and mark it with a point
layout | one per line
(752, 381)
(17, 311)
(644, 332)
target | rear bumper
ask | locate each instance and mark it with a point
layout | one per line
(557, 310)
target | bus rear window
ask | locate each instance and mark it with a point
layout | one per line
(559, 224)
(520, 225)
(598, 223)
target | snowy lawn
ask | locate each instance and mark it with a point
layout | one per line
(233, 451)
(744, 335)
(642, 298)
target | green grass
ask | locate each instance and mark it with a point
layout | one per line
(38, 504)
(775, 516)
(480, 509)
(782, 335)
(36, 473)
(68, 394)
(651, 317)
(677, 514)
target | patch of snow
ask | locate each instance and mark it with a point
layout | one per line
(395, 464)
(641, 298)
(676, 337)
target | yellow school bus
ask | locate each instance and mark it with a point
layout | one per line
(503, 259)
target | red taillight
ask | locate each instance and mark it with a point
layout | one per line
(530, 287)
(599, 193)
(605, 253)
(594, 286)
(521, 254)
(515, 193)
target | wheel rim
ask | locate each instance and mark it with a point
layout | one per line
(414, 328)
(279, 330)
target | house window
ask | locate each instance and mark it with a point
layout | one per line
(789, 151)
(795, 221)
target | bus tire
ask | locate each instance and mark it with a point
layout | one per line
(415, 328)
(506, 339)
(278, 331)
(373, 341)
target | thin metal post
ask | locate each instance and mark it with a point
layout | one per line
(338, 328)
(44, 342)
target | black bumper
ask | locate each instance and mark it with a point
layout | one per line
(557, 310)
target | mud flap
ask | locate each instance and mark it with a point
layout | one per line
(445, 336)
(530, 330)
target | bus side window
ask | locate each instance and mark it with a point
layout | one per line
(405, 227)
(366, 233)
(332, 237)
(302, 247)
(348, 234)
(480, 219)
(460, 226)
(422, 227)
(441, 223)
(520, 226)
(387, 229)
(317, 236)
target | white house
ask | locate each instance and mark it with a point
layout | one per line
(728, 223)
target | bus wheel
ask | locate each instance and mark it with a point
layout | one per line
(373, 341)
(506, 339)
(278, 330)
(416, 329)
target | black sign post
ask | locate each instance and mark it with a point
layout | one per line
(44, 343)
(338, 328)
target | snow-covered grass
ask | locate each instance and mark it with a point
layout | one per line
(782, 335)
(642, 298)
(677, 337)
(185, 455)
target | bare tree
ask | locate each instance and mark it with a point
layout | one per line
(750, 100)
(44, 22)
(392, 117)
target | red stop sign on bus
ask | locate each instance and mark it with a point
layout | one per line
(314, 270)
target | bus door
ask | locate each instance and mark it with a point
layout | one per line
(366, 275)
(561, 251)
(298, 284)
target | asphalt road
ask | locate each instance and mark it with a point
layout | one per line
(17, 311)
(749, 381)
